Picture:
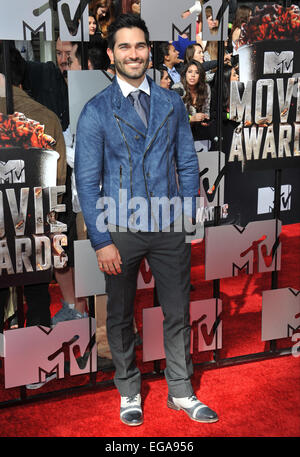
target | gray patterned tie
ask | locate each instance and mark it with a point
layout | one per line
(135, 97)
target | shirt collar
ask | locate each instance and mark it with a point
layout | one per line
(127, 88)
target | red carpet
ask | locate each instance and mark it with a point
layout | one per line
(257, 399)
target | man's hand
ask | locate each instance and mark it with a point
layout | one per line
(109, 259)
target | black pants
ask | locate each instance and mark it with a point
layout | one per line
(38, 303)
(169, 259)
(4, 296)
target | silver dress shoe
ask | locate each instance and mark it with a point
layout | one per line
(131, 411)
(195, 409)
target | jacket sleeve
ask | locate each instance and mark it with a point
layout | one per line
(89, 168)
(186, 160)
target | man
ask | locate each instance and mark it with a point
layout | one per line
(63, 52)
(97, 58)
(170, 60)
(48, 84)
(132, 153)
(37, 295)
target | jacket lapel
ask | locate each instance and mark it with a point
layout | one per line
(124, 110)
(160, 109)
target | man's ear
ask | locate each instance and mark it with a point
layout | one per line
(110, 55)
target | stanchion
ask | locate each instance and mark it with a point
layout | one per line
(276, 212)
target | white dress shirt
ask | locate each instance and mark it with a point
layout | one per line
(127, 88)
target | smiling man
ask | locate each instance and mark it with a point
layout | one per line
(131, 139)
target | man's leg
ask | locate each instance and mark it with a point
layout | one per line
(121, 290)
(4, 296)
(38, 302)
(169, 260)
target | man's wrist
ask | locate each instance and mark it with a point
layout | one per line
(102, 245)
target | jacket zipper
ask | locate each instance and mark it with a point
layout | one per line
(129, 156)
(149, 146)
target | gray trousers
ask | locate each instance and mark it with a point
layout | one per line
(169, 259)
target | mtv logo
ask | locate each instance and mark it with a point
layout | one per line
(211, 165)
(265, 201)
(278, 62)
(33, 352)
(19, 19)
(202, 145)
(68, 10)
(168, 24)
(230, 249)
(12, 172)
(280, 313)
(206, 323)
(206, 329)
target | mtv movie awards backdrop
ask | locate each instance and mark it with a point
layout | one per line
(267, 108)
(31, 237)
(263, 136)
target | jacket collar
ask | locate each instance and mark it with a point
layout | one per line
(160, 108)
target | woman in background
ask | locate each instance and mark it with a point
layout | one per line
(105, 16)
(242, 17)
(92, 24)
(195, 92)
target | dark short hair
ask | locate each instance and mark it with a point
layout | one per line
(128, 21)
(17, 64)
(163, 51)
(95, 52)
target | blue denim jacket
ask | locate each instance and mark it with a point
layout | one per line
(120, 162)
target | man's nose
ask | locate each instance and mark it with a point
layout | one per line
(133, 53)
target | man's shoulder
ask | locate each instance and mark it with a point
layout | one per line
(168, 93)
(101, 97)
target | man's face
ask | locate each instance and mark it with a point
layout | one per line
(173, 55)
(130, 55)
(73, 61)
(63, 52)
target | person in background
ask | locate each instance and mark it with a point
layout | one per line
(104, 13)
(169, 59)
(136, 6)
(195, 92)
(48, 84)
(36, 295)
(93, 27)
(242, 16)
(165, 80)
(63, 51)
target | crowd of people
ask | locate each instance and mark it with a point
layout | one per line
(185, 66)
